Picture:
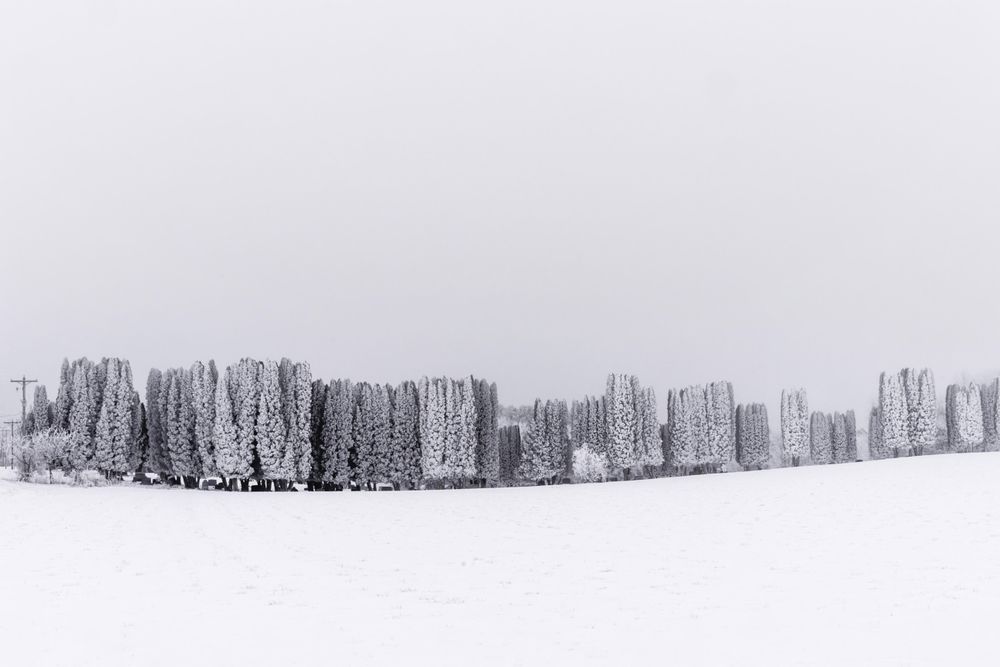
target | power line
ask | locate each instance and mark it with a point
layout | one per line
(24, 382)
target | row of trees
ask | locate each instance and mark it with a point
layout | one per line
(272, 422)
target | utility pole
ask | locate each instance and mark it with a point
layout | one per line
(24, 382)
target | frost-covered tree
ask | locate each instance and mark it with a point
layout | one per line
(382, 462)
(338, 433)
(557, 435)
(721, 424)
(233, 456)
(317, 422)
(838, 439)
(179, 425)
(296, 413)
(650, 443)
(433, 428)
(875, 449)
(921, 409)
(753, 436)
(989, 393)
(510, 452)
(82, 424)
(794, 425)
(892, 407)
(820, 442)
(588, 465)
(487, 440)
(269, 432)
(965, 417)
(40, 408)
(405, 435)
(204, 379)
(363, 467)
(157, 457)
(463, 457)
(542, 456)
(688, 429)
(245, 391)
(621, 418)
(577, 423)
(587, 423)
(114, 441)
(63, 400)
(852, 436)
(449, 426)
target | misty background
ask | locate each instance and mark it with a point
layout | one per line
(774, 193)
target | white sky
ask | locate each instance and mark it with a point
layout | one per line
(775, 193)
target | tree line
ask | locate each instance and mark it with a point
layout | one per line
(270, 425)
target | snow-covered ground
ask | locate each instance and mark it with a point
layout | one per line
(889, 562)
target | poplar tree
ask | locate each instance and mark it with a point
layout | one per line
(246, 396)
(875, 448)
(203, 389)
(179, 427)
(233, 456)
(338, 433)
(405, 445)
(510, 452)
(650, 438)
(794, 424)
(80, 417)
(542, 457)
(157, 458)
(965, 416)
(893, 410)
(921, 409)
(721, 426)
(110, 441)
(852, 436)
(382, 464)
(433, 428)
(317, 423)
(621, 420)
(989, 394)
(487, 438)
(63, 400)
(40, 408)
(753, 436)
(688, 428)
(297, 463)
(820, 442)
(838, 439)
(270, 431)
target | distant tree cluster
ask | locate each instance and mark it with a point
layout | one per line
(905, 419)
(701, 428)
(101, 412)
(972, 417)
(833, 438)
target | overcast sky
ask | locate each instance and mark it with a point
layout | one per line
(775, 193)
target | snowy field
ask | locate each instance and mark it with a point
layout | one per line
(889, 562)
